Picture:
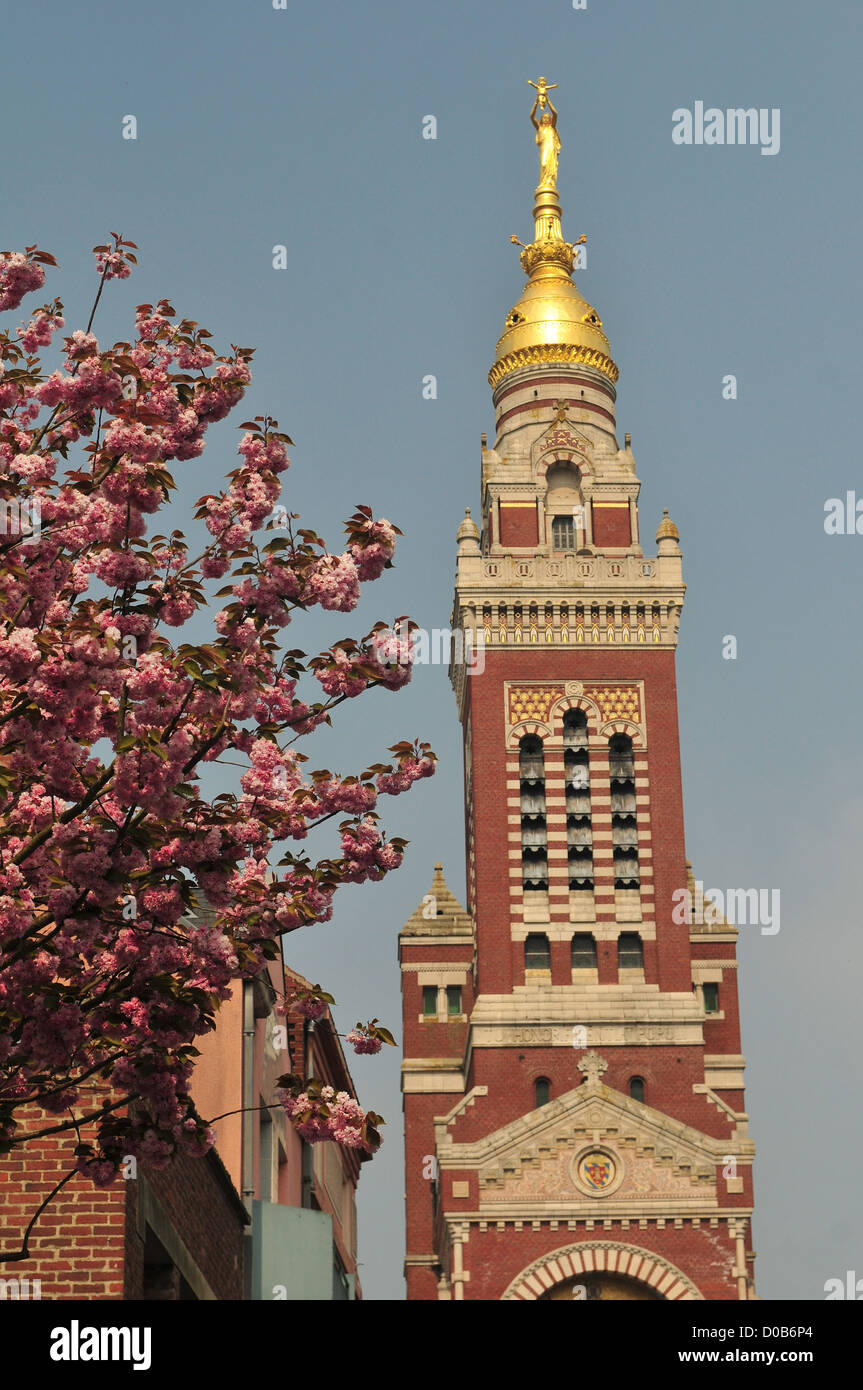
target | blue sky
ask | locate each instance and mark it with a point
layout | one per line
(259, 127)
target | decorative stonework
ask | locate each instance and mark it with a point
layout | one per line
(653, 1176)
(569, 1261)
(602, 1032)
(532, 702)
(616, 701)
(546, 353)
(536, 701)
(596, 1172)
(561, 439)
(530, 1166)
(593, 1067)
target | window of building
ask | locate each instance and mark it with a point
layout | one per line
(537, 952)
(430, 1001)
(636, 1088)
(453, 999)
(534, 835)
(563, 533)
(583, 952)
(624, 824)
(711, 998)
(542, 1087)
(579, 827)
(630, 953)
(266, 1154)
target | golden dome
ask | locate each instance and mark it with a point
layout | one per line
(552, 321)
(667, 529)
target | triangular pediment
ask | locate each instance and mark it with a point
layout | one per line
(637, 1156)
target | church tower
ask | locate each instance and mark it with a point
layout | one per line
(573, 1083)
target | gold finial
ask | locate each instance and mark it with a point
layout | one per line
(546, 135)
(542, 90)
(548, 250)
(552, 321)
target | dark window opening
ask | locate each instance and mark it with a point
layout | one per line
(711, 998)
(162, 1281)
(542, 1087)
(453, 999)
(583, 952)
(636, 1088)
(537, 952)
(630, 952)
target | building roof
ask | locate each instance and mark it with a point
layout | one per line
(440, 913)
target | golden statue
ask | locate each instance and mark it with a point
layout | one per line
(546, 134)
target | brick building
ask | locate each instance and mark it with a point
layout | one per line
(262, 1216)
(573, 1082)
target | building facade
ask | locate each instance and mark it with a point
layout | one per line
(263, 1216)
(573, 1080)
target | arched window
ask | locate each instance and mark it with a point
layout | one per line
(579, 829)
(564, 505)
(542, 1087)
(583, 951)
(537, 952)
(534, 835)
(636, 1088)
(624, 825)
(630, 952)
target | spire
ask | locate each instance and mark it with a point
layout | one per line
(440, 912)
(551, 321)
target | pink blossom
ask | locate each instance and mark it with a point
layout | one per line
(18, 276)
(39, 331)
(107, 725)
(333, 582)
(112, 265)
(361, 1043)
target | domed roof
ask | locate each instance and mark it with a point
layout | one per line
(552, 315)
(552, 321)
(468, 529)
(667, 529)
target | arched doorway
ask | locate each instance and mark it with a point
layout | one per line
(591, 1288)
(608, 1270)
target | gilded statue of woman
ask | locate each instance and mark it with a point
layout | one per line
(546, 137)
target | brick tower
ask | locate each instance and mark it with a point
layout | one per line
(573, 1084)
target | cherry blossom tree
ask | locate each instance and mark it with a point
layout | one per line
(107, 721)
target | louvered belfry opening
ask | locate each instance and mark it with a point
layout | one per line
(579, 829)
(624, 824)
(534, 831)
